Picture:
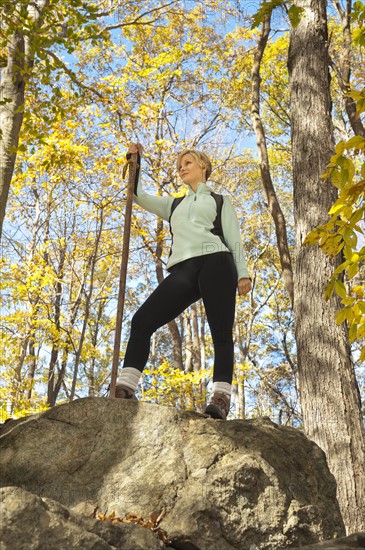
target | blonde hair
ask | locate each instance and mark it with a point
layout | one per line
(201, 158)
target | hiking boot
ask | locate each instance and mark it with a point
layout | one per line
(125, 393)
(219, 406)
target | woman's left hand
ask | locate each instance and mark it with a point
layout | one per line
(244, 286)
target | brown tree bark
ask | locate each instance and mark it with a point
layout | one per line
(271, 197)
(32, 364)
(329, 393)
(88, 296)
(13, 77)
(55, 387)
(343, 67)
(57, 297)
(188, 342)
(27, 345)
(91, 373)
(202, 316)
(12, 87)
(239, 387)
(196, 338)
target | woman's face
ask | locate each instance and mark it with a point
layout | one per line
(190, 171)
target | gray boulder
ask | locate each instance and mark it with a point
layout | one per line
(30, 522)
(240, 484)
(357, 540)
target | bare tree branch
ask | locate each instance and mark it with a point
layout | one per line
(343, 69)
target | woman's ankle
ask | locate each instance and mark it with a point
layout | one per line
(222, 387)
(129, 378)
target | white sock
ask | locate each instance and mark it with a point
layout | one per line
(129, 378)
(222, 387)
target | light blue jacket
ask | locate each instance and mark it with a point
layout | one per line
(192, 222)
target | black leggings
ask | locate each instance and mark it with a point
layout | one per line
(212, 277)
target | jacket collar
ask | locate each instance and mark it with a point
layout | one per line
(201, 188)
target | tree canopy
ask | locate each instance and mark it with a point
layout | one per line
(80, 81)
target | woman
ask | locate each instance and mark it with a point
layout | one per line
(202, 264)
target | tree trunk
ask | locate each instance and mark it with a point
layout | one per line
(11, 115)
(32, 363)
(153, 352)
(271, 197)
(329, 393)
(93, 390)
(202, 333)
(88, 296)
(68, 346)
(12, 91)
(15, 388)
(188, 342)
(196, 340)
(239, 393)
(198, 364)
(57, 326)
(343, 67)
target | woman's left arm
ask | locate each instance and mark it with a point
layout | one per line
(232, 236)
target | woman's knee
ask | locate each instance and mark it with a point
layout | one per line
(140, 323)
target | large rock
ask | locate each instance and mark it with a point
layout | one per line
(357, 540)
(239, 484)
(29, 522)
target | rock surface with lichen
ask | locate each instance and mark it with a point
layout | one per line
(240, 484)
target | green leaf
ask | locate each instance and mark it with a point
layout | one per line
(312, 237)
(361, 305)
(329, 290)
(336, 177)
(350, 237)
(356, 216)
(265, 9)
(340, 147)
(348, 301)
(351, 169)
(355, 94)
(295, 14)
(340, 289)
(360, 106)
(353, 270)
(356, 142)
(353, 332)
(332, 245)
(336, 207)
(347, 213)
(361, 331)
(347, 251)
(342, 315)
(342, 267)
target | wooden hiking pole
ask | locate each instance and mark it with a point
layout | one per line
(133, 161)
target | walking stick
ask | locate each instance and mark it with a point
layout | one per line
(133, 163)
